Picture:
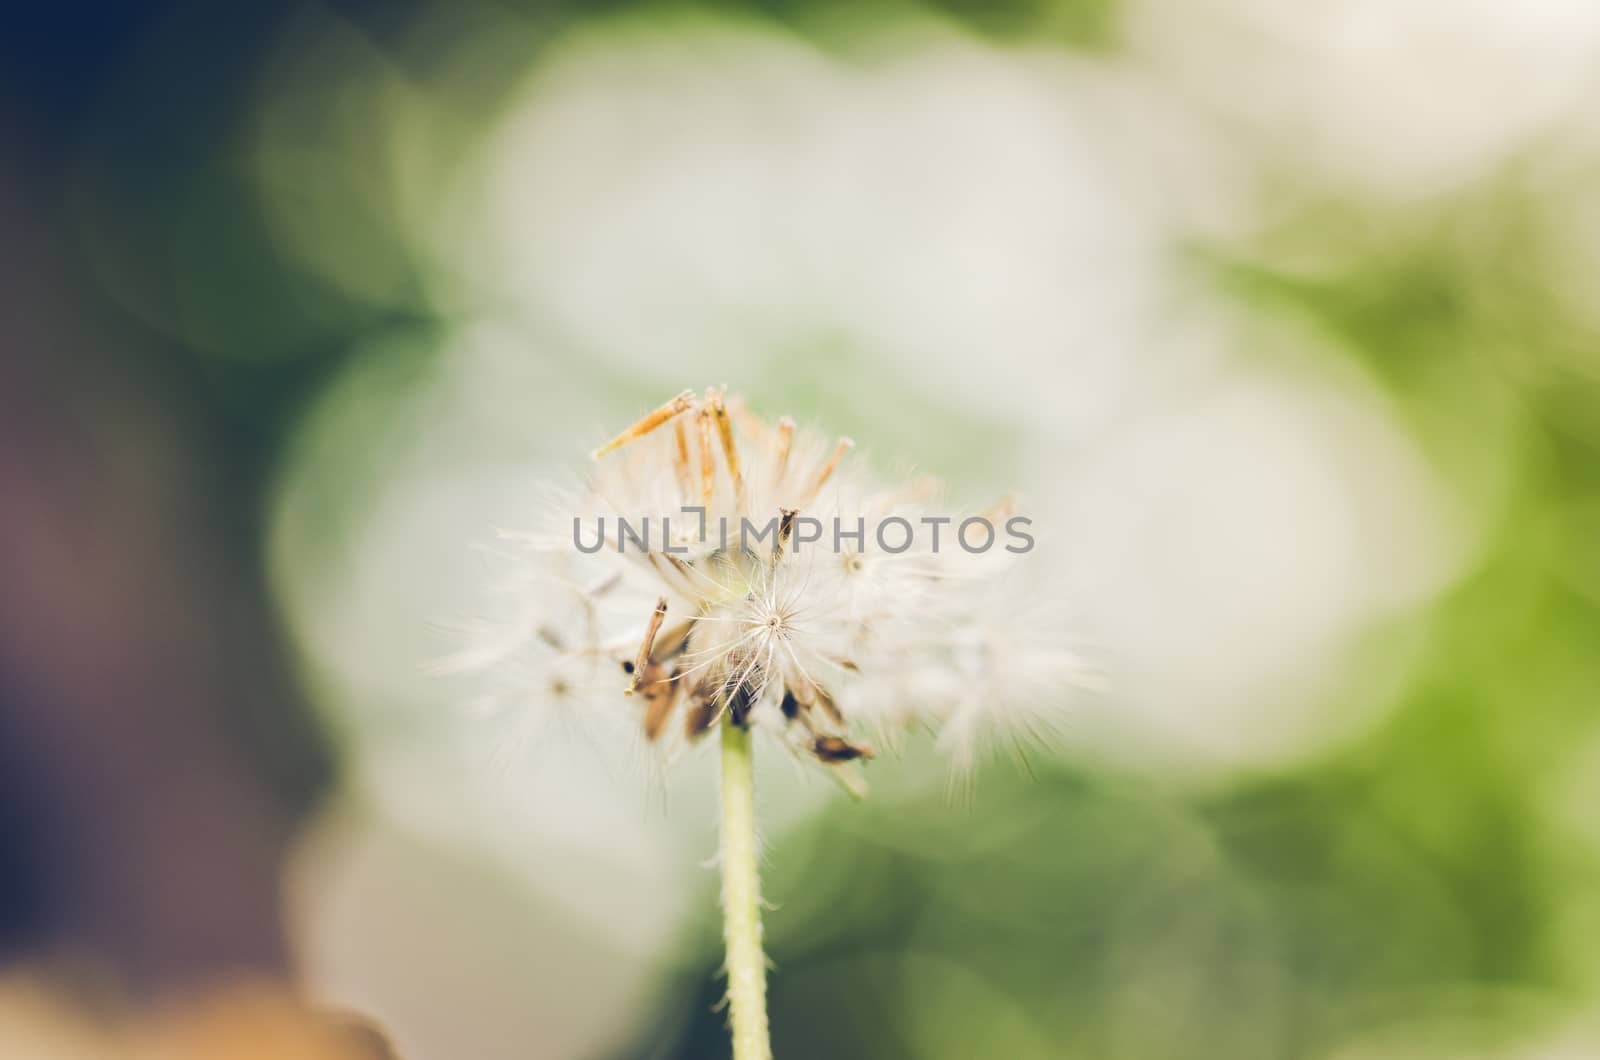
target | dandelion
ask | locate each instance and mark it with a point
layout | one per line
(721, 572)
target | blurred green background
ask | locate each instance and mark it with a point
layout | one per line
(1281, 318)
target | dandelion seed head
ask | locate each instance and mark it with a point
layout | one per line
(716, 566)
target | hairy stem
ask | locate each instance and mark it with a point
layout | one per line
(741, 899)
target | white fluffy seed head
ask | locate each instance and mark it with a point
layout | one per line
(787, 605)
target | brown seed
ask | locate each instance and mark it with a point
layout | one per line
(701, 713)
(829, 707)
(647, 423)
(730, 451)
(659, 690)
(644, 655)
(838, 749)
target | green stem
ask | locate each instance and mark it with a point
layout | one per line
(741, 899)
